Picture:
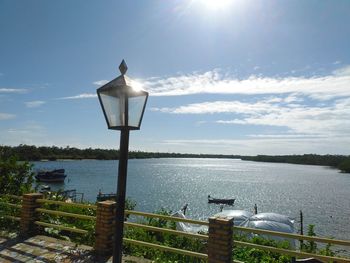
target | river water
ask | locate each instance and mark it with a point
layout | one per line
(322, 193)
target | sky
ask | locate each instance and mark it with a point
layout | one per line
(224, 76)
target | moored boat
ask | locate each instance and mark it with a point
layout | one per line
(227, 201)
(53, 176)
(103, 197)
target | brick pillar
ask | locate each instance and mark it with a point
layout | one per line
(220, 241)
(28, 214)
(104, 228)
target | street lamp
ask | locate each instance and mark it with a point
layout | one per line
(123, 105)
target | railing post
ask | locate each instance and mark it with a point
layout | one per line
(220, 241)
(104, 227)
(28, 214)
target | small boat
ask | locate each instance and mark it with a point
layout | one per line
(104, 197)
(53, 176)
(226, 201)
(45, 189)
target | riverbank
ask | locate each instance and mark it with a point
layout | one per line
(341, 162)
(53, 153)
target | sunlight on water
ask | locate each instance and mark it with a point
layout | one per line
(320, 192)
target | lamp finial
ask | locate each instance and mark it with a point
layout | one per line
(123, 67)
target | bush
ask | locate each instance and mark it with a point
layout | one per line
(345, 165)
(16, 177)
(255, 255)
(163, 239)
(85, 224)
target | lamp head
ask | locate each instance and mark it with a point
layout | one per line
(122, 105)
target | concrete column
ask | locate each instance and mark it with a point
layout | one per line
(220, 241)
(28, 214)
(105, 215)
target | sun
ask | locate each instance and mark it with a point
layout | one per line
(215, 5)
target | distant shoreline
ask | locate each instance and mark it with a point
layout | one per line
(54, 153)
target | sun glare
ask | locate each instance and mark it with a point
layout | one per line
(215, 5)
(136, 85)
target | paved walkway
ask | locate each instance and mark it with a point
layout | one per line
(47, 249)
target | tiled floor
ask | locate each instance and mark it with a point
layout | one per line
(47, 249)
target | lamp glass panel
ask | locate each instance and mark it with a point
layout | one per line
(114, 107)
(136, 106)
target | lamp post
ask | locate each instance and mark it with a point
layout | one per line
(123, 107)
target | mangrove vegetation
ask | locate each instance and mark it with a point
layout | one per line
(52, 153)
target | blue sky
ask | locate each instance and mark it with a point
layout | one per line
(224, 76)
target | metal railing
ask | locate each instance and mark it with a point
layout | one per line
(64, 214)
(127, 224)
(170, 218)
(292, 253)
(166, 248)
(288, 252)
(294, 236)
(47, 201)
(12, 196)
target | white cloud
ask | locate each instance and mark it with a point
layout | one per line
(293, 98)
(100, 82)
(214, 82)
(30, 129)
(286, 136)
(6, 116)
(25, 133)
(345, 71)
(332, 119)
(8, 90)
(80, 96)
(198, 123)
(254, 146)
(34, 104)
(218, 107)
(18, 131)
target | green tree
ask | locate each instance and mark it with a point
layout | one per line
(16, 177)
(345, 165)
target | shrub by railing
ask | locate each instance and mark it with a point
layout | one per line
(10, 207)
(219, 241)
